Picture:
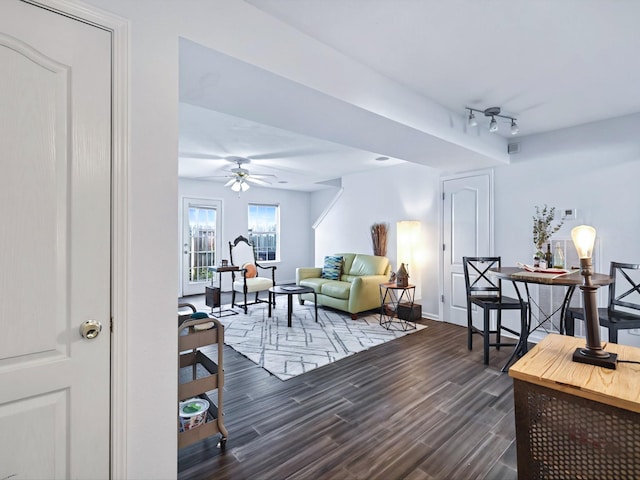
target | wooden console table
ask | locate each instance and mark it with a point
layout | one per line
(575, 420)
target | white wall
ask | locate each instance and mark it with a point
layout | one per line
(295, 222)
(403, 192)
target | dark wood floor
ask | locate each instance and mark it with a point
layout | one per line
(420, 407)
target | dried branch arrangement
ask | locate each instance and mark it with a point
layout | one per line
(379, 232)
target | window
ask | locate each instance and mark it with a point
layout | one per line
(264, 228)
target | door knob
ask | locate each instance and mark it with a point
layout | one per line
(90, 329)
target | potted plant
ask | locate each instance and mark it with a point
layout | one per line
(543, 227)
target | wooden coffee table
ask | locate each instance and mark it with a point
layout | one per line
(290, 291)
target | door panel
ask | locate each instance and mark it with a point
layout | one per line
(201, 243)
(55, 136)
(467, 230)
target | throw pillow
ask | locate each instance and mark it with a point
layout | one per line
(250, 270)
(332, 267)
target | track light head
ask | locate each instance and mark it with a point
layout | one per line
(471, 121)
(514, 127)
(493, 125)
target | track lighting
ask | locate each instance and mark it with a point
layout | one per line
(492, 112)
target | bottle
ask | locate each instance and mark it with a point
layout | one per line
(558, 257)
(548, 257)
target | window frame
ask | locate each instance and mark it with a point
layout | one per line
(251, 234)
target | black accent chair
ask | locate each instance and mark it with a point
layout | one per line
(247, 279)
(484, 291)
(623, 309)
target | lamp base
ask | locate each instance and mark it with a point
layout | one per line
(609, 362)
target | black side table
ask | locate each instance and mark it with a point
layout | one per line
(212, 293)
(290, 291)
(397, 309)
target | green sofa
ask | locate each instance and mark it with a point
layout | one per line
(356, 291)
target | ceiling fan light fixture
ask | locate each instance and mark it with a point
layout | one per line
(244, 186)
(236, 186)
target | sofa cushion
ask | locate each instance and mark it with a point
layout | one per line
(315, 283)
(332, 267)
(347, 260)
(336, 289)
(368, 265)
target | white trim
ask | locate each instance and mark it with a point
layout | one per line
(120, 233)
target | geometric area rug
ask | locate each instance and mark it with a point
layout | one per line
(287, 352)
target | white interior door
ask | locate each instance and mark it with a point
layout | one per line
(201, 243)
(55, 137)
(467, 230)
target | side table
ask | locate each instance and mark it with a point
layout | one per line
(397, 309)
(212, 293)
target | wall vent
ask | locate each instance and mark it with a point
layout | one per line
(513, 148)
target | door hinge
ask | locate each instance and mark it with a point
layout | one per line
(444, 247)
(442, 298)
(442, 195)
(111, 324)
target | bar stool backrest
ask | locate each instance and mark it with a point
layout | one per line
(624, 292)
(478, 280)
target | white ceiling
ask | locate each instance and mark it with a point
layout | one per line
(552, 64)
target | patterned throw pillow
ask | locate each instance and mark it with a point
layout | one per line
(332, 267)
(250, 270)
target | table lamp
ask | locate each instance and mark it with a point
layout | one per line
(583, 238)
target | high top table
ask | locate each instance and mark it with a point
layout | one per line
(571, 280)
(575, 420)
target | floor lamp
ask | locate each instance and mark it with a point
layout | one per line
(583, 238)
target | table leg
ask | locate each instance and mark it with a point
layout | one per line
(315, 303)
(521, 347)
(269, 314)
(565, 306)
(289, 308)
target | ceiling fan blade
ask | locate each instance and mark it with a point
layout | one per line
(257, 181)
(263, 175)
(204, 156)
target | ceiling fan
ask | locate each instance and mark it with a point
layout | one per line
(240, 177)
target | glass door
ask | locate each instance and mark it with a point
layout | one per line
(201, 241)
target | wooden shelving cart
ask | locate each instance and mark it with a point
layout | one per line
(199, 375)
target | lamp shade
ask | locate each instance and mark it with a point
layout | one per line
(236, 186)
(408, 239)
(583, 237)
